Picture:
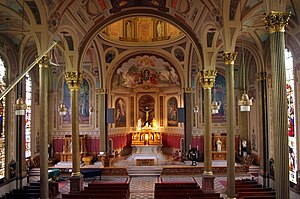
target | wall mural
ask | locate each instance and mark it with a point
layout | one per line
(146, 71)
(172, 112)
(219, 93)
(120, 113)
(83, 103)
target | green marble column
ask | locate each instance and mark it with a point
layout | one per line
(188, 125)
(74, 80)
(276, 22)
(261, 77)
(207, 79)
(102, 121)
(43, 101)
(229, 58)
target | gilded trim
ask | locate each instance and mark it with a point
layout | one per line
(261, 76)
(276, 21)
(229, 57)
(207, 78)
(187, 90)
(74, 80)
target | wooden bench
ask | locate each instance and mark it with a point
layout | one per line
(82, 196)
(110, 185)
(257, 194)
(91, 173)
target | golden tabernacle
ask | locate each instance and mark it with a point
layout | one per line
(146, 136)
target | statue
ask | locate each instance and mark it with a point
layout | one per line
(139, 125)
(244, 148)
(159, 29)
(219, 145)
(146, 111)
(154, 123)
(128, 29)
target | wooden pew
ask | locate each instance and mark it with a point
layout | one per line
(256, 194)
(88, 196)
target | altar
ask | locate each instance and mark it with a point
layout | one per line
(146, 137)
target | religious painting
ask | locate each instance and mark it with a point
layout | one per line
(110, 55)
(172, 112)
(83, 103)
(146, 110)
(120, 113)
(179, 54)
(145, 71)
(219, 95)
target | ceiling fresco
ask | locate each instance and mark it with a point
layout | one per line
(146, 71)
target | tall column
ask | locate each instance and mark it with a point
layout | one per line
(229, 58)
(43, 86)
(275, 22)
(264, 116)
(74, 79)
(207, 79)
(103, 125)
(188, 125)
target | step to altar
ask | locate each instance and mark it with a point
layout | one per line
(144, 171)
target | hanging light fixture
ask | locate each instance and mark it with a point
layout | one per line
(20, 106)
(62, 109)
(244, 102)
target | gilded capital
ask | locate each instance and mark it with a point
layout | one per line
(207, 78)
(276, 21)
(187, 90)
(261, 76)
(229, 57)
(43, 63)
(74, 80)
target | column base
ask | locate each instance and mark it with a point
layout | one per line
(76, 184)
(208, 183)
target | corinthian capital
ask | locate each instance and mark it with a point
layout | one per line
(229, 57)
(74, 80)
(207, 78)
(276, 21)
(43, 63)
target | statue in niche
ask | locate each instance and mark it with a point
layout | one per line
(154, 123)
(139, 125)
(128, 29)
(219, 145)
(159, 29)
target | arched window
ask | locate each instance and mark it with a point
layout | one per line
(2, 119)
(28, 97)
(290, 90)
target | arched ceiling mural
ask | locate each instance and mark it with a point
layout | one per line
(146, 71)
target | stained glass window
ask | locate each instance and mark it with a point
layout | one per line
(28, 116)
(2, 119)
(290, 91)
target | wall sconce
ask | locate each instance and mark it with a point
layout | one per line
(20, 107)
(62, 109)
(91, 110)
(196, 109)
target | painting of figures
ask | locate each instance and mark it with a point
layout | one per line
(172, 112)
(83, 103)
(146, 70)
(120, 113)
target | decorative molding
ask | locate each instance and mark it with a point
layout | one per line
(63, 133)
(188, 89)
(229, 57)
(261, 76)
(207, 78)
(276, 21)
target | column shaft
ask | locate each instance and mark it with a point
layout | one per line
(188, 125)
(74, 79)
(103, 125)
(264, 116)
(43, 86)
(230, 121)
(208, 132)
(275, 23)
